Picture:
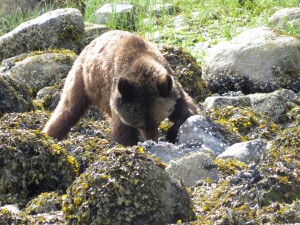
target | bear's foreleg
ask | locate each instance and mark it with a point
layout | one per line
(71, 107)
(122, 133)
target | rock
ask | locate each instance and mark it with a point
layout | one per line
(49, 97)
(122, 15)
(8, 7)
(167, 151)
(193, 168)
(274, 104)
(181, 23)
(31, 164)
(38, 70)
(61, 28)
(200, 131)
(92, 31)
(126, 187)
(187, 71)
(47, 202)
(13, 97)
(257, 60)
(164, 9)
(11, 7)
(246, 152)
(285, 18)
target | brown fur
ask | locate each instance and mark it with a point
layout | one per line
(130, 81)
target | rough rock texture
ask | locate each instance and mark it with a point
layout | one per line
(257, 60)
(61, 28)
(13, 97)
(187, 71)
(121, 14)
(200, 131)
(38, 69)
(284, 18)
(274, 104)
(126, 187)
(44, 203)
(30, 164)
(167, 151)
(192, 168)
(246, 152)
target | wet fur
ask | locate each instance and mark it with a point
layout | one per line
(130, 81)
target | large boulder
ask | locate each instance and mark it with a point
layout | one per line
(126, 187)
(13, 96)
(61, 28)
(39, 69)
(257, 60)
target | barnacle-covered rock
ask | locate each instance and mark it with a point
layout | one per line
(13, 97)
(245, 122)
(23, 121)
(187, 71)
(31, 163)
(126, 187)
(266, 193)
(44, 203)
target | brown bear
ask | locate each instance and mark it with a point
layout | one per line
(130, 81)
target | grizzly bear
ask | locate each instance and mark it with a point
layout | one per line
(130, 81)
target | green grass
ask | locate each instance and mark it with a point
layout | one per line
(210, 21)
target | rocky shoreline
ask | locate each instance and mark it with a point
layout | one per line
(236, 162)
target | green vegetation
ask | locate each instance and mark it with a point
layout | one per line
(209, 21)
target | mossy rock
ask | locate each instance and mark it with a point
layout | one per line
(245, 122)
(31, 163)
(13, 96)
(46, 202)
(126, 187)
(187, 71)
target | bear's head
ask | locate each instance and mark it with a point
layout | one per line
(145, 103)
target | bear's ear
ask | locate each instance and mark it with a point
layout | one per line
(125, 88)
(164, 85)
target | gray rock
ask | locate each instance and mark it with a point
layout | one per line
(92, 31)
(193, 168)
(62, 28)
(167, 151)
(181, 23)
(121, 14)
(273, 104)
(257, 60)
(40, 70)
(284, 18)
(164, 9)
(246, 152)
(13, 96)
(199, 131)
